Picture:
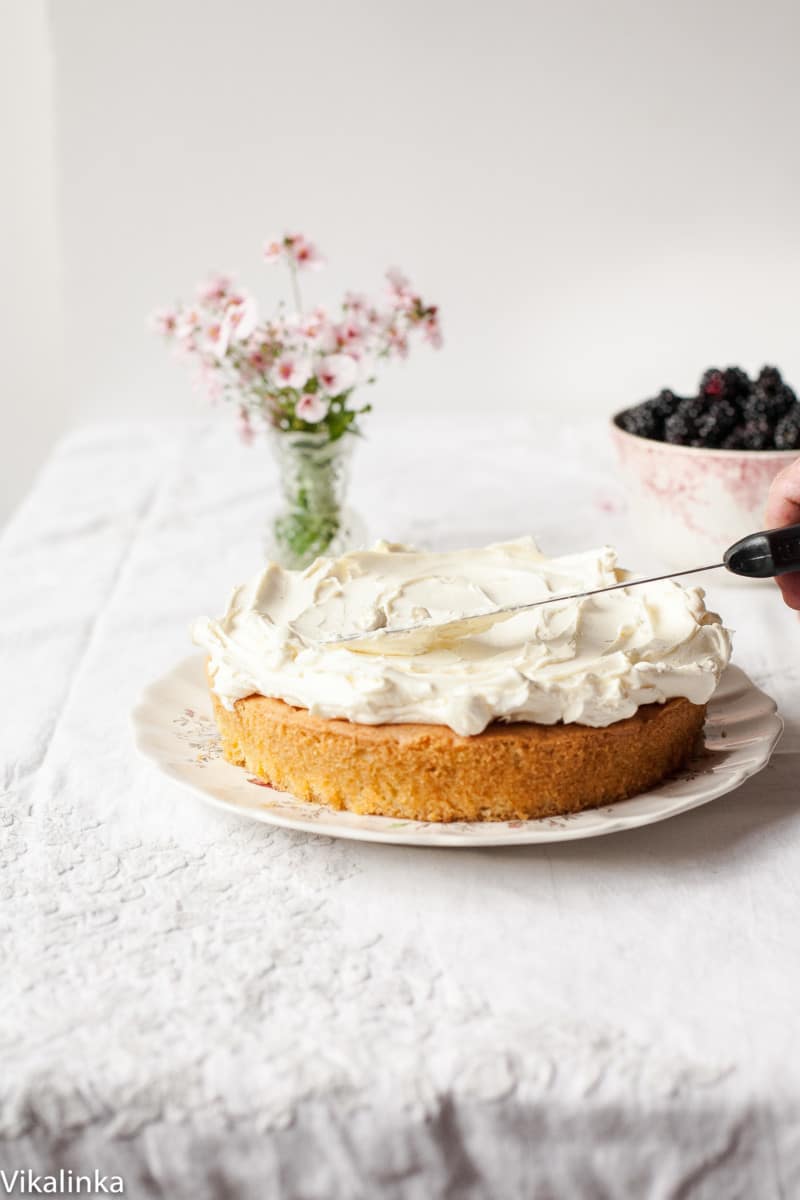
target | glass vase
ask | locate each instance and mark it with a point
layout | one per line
(314, 474)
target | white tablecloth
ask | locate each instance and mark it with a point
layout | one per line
(210, 1008)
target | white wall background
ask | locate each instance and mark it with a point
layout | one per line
(603, 196)
(35, 403)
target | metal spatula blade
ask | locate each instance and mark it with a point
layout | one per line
(416, 639)
(760, 555)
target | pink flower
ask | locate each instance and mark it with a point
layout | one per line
(355, 304)
(295, 249)
(217, 288)
(325, 340)
(290, 371)
(188, 325)
(257, 359)
(240, 318)
(295, 364)
(348, 334)
(337, 373)
(164, 321)
(396, 341)
(217, 336)
(313, 325)
(306, 255)
(399, 286)
(273, 250)
(186, 348)
(311, 408)
(432, 330)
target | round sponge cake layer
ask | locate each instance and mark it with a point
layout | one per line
(428, 773)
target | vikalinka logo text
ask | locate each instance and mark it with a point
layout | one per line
(64, 1182)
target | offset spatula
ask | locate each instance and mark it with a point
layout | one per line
(758, 556)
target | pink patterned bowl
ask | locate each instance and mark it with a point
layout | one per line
(688, 504)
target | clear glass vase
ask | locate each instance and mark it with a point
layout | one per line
(314, 475)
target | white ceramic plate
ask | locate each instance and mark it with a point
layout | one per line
(174, 728)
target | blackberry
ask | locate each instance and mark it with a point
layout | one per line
(756, 435)
(769, 378)
(769, 404)
(647, 419)
(693, 407)
(712, 382)
(717, 422)
(787, 431)
(731, 412)
(734, 440)
(641, 422)
(681, 429)
(665, 403)
(737, 383)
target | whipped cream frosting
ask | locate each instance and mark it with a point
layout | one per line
(591, 661)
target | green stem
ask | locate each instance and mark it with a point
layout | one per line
(313, 515)
(295, 287)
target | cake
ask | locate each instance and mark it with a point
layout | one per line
(568, 706)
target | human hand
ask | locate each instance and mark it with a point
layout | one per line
(783, 508)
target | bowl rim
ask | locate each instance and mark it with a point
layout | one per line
(712, 451)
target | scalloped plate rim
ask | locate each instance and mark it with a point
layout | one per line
(147, 719)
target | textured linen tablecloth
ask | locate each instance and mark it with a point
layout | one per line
(212, 1008)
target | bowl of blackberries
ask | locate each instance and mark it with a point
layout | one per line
(698, 468)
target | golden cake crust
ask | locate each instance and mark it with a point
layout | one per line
(429, 773)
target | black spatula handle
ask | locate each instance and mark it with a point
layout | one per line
(764, 555)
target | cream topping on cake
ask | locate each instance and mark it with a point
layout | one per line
(591, 661)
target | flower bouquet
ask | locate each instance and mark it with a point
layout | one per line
(297, 372)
